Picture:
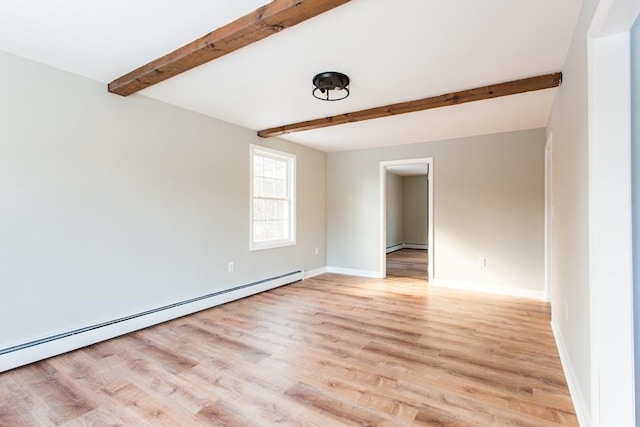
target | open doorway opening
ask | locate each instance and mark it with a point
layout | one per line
(406, 218)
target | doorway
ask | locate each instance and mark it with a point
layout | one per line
(408, 255)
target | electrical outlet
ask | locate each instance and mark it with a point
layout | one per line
(316, 251)
(482, 262)
(230, 266)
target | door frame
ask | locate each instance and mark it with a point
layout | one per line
(610, 246)
(382, 257)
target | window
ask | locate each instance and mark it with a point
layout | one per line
(273, 207)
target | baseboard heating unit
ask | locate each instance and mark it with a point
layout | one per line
(22, 354)
(397, 247)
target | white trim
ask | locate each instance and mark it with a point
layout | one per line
(612, 384)
(488, 289)
(430, 224)
(315, 272)
(291, 160)
(382, 253)
(548, 217)
(52, 348)
(353, 272)
(579, 403)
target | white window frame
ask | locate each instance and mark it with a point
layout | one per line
(290, 159)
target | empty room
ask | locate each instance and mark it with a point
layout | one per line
(319, 213)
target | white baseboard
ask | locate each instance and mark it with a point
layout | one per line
(582, 411)
(490, 289)
(422, 246)
(62, 343)
(315, 272)
(395, 247)
(353, 272)
(399, 246)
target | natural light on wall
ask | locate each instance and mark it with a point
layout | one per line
(272, 198)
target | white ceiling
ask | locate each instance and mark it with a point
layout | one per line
(393, 51)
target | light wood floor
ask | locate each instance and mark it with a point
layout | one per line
(329, 351)
(409, 263)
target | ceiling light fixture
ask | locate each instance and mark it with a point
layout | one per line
(328, 82)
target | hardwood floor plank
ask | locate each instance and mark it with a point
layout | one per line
(429, 416)
(56, 398)
(17, 405)
(328, 351)
(99, 417)
(341, 411)
(221, 413)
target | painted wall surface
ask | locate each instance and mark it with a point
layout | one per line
(415, 198)
(111, 206)
(488, 202)
(635, 197)
(569, 124)
(395, 224)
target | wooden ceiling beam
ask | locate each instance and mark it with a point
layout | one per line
(257, 25)
(546, 81)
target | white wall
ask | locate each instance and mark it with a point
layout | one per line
(111, 206)
(590, 122)
(415, 190)
(488, 202)
(610, 208)
(570, 276)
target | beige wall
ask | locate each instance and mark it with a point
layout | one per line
(112, 206)
(488, 202)
(415, 190)
(395, 215)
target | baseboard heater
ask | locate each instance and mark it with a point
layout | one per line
(394, 248)
(22, 354)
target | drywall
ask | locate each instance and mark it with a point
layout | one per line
(406, 209)
(570, 276)
(488, 202)
(395, 229)
(111, 206)
(415, 190)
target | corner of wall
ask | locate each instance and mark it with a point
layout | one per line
(579, 402)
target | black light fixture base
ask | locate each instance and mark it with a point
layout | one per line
(331, 86)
